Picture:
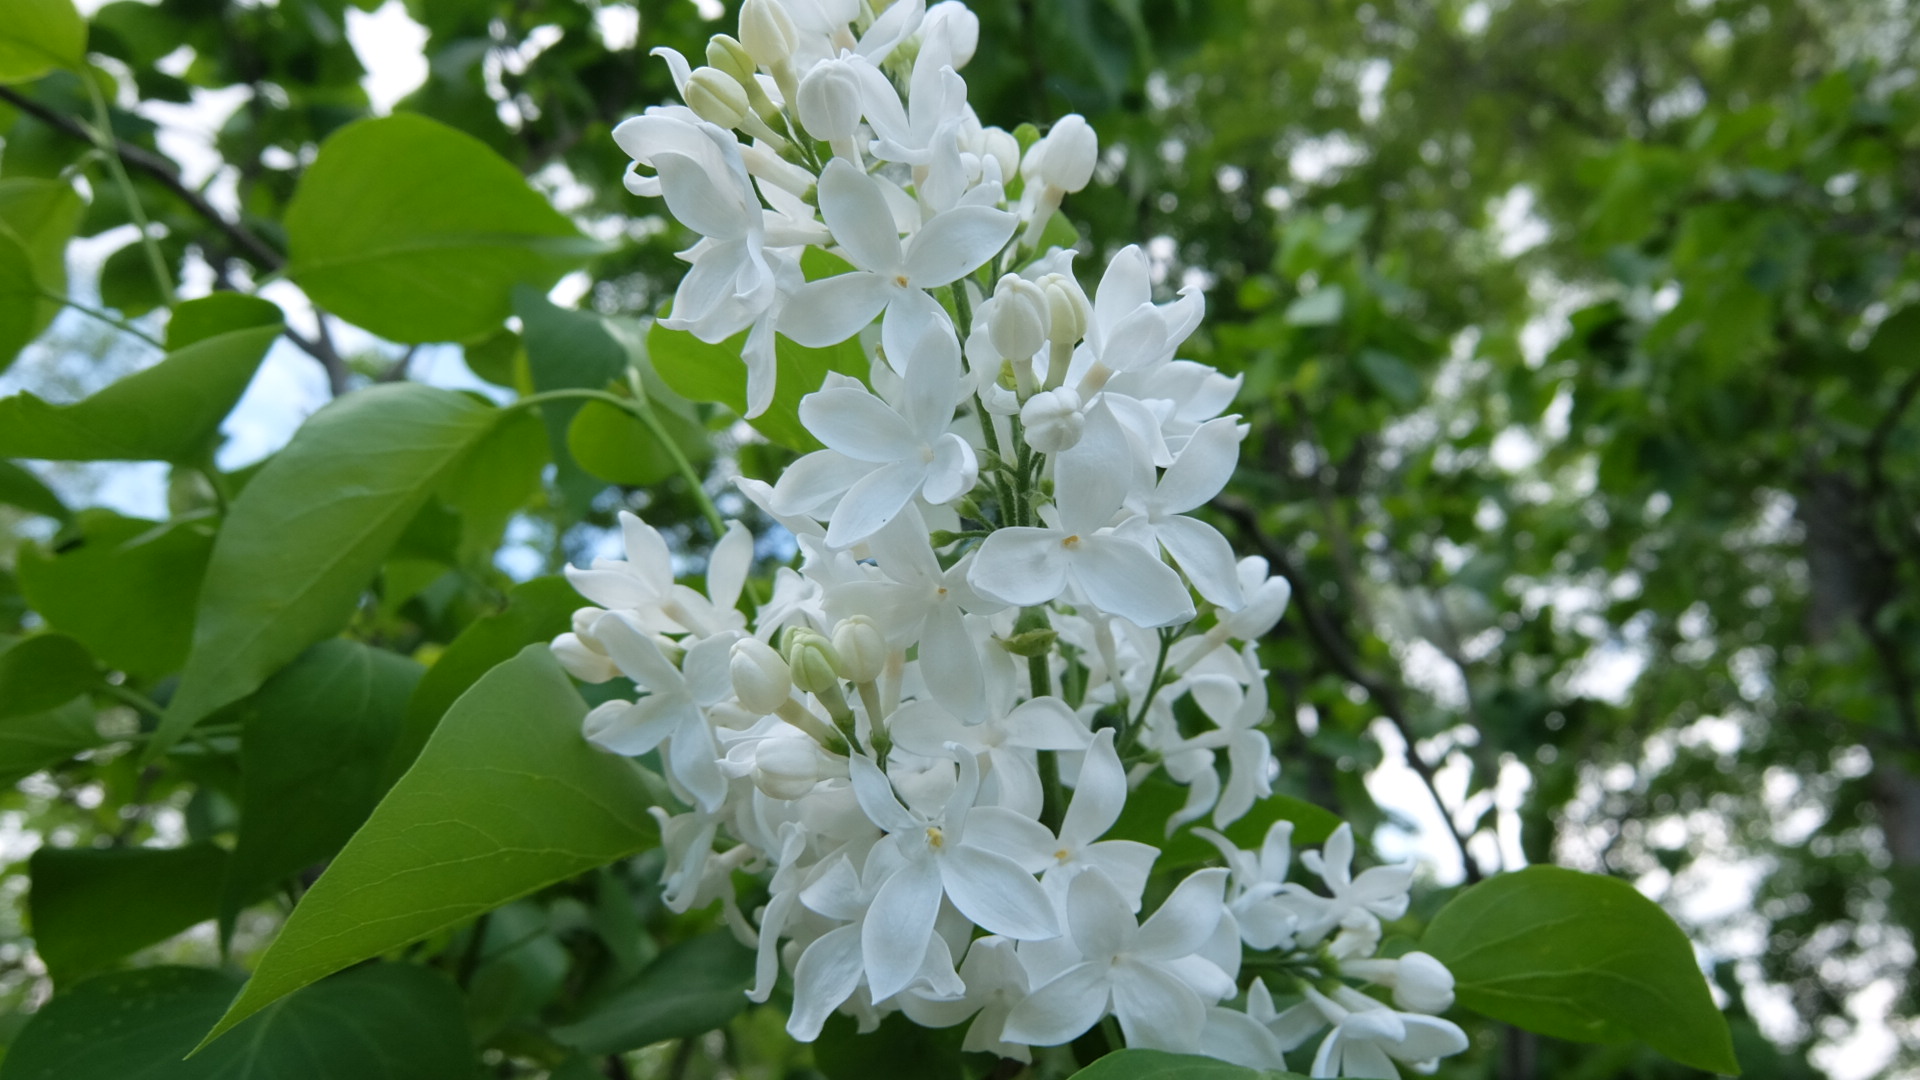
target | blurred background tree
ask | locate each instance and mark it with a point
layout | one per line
(1579, 340)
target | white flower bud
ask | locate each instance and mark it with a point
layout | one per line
(811, 659)
(960, 27)
(862, 649)
(582, 660)
(1017, 326)
(761, 680)
(787, 768)
(1067, 309)
(1001, 146)
(1423, 985)
(716, 97)
(1071, 150)
(766, 30)
(830, 101)
(1053, 420)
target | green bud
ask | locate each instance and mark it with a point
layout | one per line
(815, 665)
(861, 650)
(1031, 643)
(714, 96)
(730, 56)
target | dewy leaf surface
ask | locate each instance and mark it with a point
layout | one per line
(169, 412)
(507, 798)
(1580, 957)
(419, 232)
(383, 1022)
(305, 537)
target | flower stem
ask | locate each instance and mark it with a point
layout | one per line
(107, 317)
(641, 410)
(102, 134)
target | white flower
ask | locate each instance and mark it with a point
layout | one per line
(1099, 795)
(1128, 332)
(1007, 743)
(1029, 565)
(881, 455)
(1379, 893)
(887, 277)
(1367, 1038)
(1238, 713)
(1419, 982)
(674, 710)
(1265, 919)
(1201, 470)
(1147, 975)
(953, 853)
(996, 982)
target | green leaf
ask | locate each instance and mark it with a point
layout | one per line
(38, 741)
(693, 987)
(1160, 1065)
(383, 1022)
(79, 902)
(169, 412)
(218, 313)
(123, 587)
(314, 744)
(537, 611)
(42, 672)
(43, 215)
(23, 313)
(1581, 957)
(566, 350)
(306, 536)
(701, 372)
(419, 233)
(38, 36)
(1322, 307)
(507, 798)
(1392, 376)
(494, 481)
(20, 488)
(1156, 799)
(843, 1052)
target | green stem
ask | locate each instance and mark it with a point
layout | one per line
(641, 410)
(102, 134)
(129, 696)
(104, 316)
(1128, 737)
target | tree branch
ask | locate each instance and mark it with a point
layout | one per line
(1332, 643)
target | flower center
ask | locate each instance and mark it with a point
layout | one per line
(1071, 541)
(935, 838)
(901, 280)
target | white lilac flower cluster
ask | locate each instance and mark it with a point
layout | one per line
(928, 728)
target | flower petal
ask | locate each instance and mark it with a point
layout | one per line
(1046, 723)
(1204, 556)
(856, 423)
(728, 565)
(1062, 1010)
(894, 936)
(875, 794)
(953, 471)
(856, 211)
(1125, 286)
(1121, 578)
(958, 682)
(831, 310)
(1091, 480)
(1020, 566)
(1099, 796)
(828, 973)
(1203, 468)
(872, 502)
(1156, 1011)
(1186, 918)
(1012, 834)
(996, 894)
(956, 243)
(815, 480)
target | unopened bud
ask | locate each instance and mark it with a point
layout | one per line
(1067, 309)
(716, 97)
(582, 660)
(787, 768)
(830, 101)
(1052, 420)
(1017, 325)
(1031, 643)
(1423, 985)
(960, 27)
(862, 649)
(728, 55)
(1071, 150)
(811, 659)
(761, 680)
(766, 30)
(1002, 147)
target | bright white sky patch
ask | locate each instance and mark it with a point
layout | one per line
(392, 47)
